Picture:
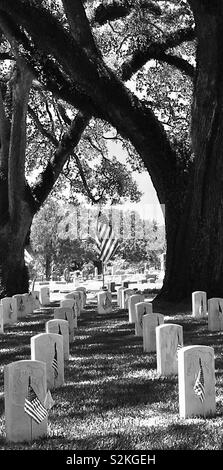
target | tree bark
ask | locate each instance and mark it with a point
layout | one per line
(14, 277)
(195, 244)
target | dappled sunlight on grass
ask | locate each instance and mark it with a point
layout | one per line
(113, 397)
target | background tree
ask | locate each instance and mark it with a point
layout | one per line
(65, 48)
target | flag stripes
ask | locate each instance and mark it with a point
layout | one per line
(27, 257)
(179, 345)
(199, 389)
(54, 362)
(106, 241)
(33, 407)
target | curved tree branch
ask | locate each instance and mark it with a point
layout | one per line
(54, 167)
(102, 89)
(120, 9)
(78, 21)
(157, 50)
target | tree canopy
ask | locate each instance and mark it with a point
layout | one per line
(141, 67)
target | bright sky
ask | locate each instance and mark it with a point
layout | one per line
(148, 207)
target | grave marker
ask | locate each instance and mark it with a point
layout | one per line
(169, 340)
(60, 327)
(119, 296)
(48, 348)
(150, 322)
(44, 296)
(215, 314)
(82, 296)
(25, 392)
(132, 301)
(196, 372)
(111, 286)
(141, 308)
(9, 316)
(125, 294)
(71, 303)
(36, 300)
(66, 313)
(199, 304)
(104, 302)
(18, 306)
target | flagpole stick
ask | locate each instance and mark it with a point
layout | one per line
(103, 275)
(31, 430)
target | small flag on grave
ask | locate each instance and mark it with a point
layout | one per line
(49, 402)
(33, 407)
(54, 362)
(201, 309)
(199, 389)
(107, 303)
(179, 345)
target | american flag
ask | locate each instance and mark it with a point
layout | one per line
(219, 308)
(107, 302)
(59, 330)
(33, 407)
(199, 389)
(49, 402)
(106, 241)
(27, 257)
(54, 362)
(179, 344)
(202, 307)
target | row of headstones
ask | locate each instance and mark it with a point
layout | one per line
(104, 298)
(112, 285)
(193, 364)
(18, 306)
(27, 383)
(213, 309)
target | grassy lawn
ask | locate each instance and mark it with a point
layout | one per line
(113, 398)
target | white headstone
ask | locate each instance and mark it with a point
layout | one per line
(215, 314)
(18, 306)
(196, 372)
(30, 303)
(84, 290)
(199, 304)
(44, 296)
(150, 322)
(21, 378)
(71, 303)
(119, 296)
(36, 300)
(104, 302)
(125, 294)
(66, 313)
(82, 295)
(132, 301)
(169, 340)
(9, 316)
(1, 319)
(142, 308)
(60, 327)
(76, 296)
(26, 303)
(48, 348)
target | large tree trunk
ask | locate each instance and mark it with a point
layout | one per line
(13, 271)
(195, 241)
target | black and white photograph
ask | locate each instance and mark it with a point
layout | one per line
(111, 232)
